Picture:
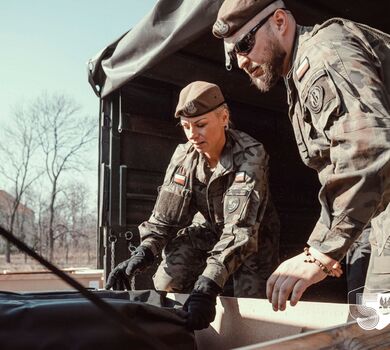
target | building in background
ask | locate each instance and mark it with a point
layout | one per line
(24, 218)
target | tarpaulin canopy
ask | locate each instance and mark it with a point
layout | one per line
(174, 24)
(170, 26)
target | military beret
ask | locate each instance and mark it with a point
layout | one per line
(197, 98)
(234, 14)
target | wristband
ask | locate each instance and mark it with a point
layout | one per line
(333, 272)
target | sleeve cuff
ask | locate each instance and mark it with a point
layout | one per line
(335, 241)
(217, 273)
(151, 244)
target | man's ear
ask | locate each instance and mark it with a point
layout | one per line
(280, 20)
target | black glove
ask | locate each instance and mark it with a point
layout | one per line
(200, 305)
(118, 279)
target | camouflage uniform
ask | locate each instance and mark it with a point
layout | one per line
(339, 109)
(223, 238)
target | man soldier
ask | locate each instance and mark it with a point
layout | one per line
(339, 109)
(213, 217)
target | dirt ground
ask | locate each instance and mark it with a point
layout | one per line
(20, 262)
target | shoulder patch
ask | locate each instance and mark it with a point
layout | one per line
(232, 204)
(240, 176)
(179, 179)
(316, 98)
(302, 68)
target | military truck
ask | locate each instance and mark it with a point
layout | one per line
(138, 78)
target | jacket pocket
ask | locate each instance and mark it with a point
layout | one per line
(172, 205)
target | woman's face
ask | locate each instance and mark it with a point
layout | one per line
(206, 132)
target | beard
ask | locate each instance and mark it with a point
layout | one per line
(272, 68)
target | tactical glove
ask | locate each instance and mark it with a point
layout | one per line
(200, 305)
(118, 279)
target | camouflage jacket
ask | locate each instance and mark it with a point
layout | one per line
(339, 109)
(232, 199)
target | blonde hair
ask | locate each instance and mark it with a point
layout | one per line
(224, 108)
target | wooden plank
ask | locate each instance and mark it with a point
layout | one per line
(243, 321)
(345, 337)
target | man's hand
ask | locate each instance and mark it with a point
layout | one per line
(139, 261)
(293, 277)
(200, 305)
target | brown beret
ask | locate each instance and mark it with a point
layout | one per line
(234, 14)
(197, 98)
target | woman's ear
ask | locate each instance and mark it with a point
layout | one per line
(225, 117)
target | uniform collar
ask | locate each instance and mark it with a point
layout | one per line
(300, 37)
(225, 163)
(202, 171)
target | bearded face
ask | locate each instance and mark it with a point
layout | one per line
(265, 75)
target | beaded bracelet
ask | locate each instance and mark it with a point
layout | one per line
(311, 259)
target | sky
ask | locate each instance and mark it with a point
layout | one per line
(45, 45)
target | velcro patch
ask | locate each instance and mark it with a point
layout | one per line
(240, 176)
(179, 179)
(232, 204)
(302, 68)
(316, 98)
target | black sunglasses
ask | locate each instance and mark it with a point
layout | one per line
(246, 44)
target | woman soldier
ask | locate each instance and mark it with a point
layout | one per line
(213, 217)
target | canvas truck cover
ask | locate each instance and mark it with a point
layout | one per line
(173, 24)
(170, 26)
(66, 320)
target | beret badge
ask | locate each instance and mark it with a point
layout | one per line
(220, 27)
(190, 108)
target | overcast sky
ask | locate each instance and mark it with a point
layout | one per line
(45, 45)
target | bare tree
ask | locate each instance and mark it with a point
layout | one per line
(74, 221)
(36, 196)
(17, 149)
(63, 134)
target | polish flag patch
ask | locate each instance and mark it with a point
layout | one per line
(179, 179)
(303, 68)
(240, 176)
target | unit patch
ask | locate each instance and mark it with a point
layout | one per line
(232, 204)
(240, 176)
(316, 98)
(303, 68)
(179, 179)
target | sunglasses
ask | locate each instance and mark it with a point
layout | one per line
(245, 45)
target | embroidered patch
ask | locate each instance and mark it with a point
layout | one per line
(240, 176)
(303, 68)
(190, 108)
(316, 98)
(220, 27)
(232, 204)
(179, 179)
